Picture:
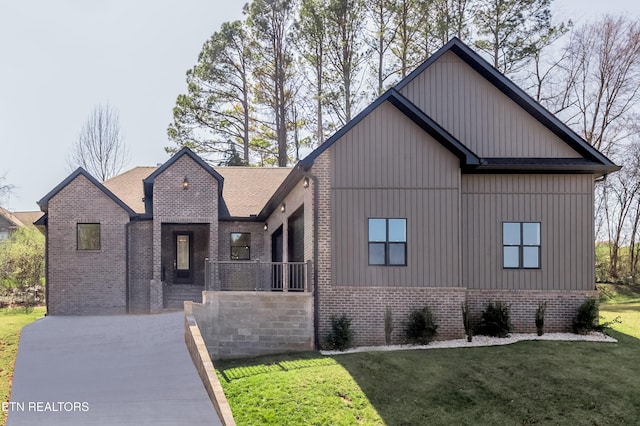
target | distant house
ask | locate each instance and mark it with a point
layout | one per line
(10, 221)
(452, 186)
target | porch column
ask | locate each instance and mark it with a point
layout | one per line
(156, 297)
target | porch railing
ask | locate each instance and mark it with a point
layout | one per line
(257, 276)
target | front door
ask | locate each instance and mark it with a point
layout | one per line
(276, 257)
(183, 262)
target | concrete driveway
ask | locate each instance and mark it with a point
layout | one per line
(108, 370)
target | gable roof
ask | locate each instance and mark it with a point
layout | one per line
(28, 218)
(128, 186)
(415, 114)
(13, 219)
(44, 202)
(515, 93)
(148, 181)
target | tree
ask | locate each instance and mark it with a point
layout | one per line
(381, 14)
(410, 25)
(603, 74)
(345, 23)
(99, 148)
(22, 262)
(452, 19)
(311, 36)
(512, 30)
(271, 22)
(5, 189)
(217, 109)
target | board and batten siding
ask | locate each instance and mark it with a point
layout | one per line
(387, 167)
(563, 204)
(479, 115)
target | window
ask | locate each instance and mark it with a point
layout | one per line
(88, 236)
(240, 246)
(4, 235)
(521, 245)
(388, 242)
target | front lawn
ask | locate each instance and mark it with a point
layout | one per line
(11, 322)
(529, 382)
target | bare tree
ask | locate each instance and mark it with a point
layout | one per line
(99, 148)
(603, 69)
(5, 189)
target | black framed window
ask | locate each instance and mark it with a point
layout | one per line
(521, 245)
(88, 236)
(240, 246)
(387, 241)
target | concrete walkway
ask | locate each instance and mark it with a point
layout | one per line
(111, 370)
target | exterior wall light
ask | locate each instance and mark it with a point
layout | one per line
(185, 183)
(305, 183)
(283, 208)
(266, 226)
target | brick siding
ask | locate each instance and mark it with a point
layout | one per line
(86, 282)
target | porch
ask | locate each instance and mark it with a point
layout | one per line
(257, 276)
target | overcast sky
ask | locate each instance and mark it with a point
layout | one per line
(58, 59)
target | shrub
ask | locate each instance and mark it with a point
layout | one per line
(496, 320)
(542, 308)
(388, 325)
(422, 326)
(585, 320)
(341, 334)
(22, 267)
(466, 320)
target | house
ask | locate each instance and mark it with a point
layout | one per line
(452, 186)
(10, 221)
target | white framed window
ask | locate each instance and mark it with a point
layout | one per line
(521, 245)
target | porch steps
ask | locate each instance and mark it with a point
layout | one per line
(175, 295)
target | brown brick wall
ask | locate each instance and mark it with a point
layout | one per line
(256, 229)
(86, 282)
(562, 306)
(172, 204)
(140, 261)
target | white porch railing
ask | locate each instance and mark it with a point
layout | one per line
(257, 276)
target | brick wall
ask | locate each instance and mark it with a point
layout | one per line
(172, 204)
(140, 261)
(562, 306)
(86, 282)
(240, 324)
(257, 239)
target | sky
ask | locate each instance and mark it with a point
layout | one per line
(59, 59)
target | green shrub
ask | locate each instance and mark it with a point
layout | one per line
(542, 308)
(496, 320)
(466, 320)
(388, 325)
(341, 334)
(586, 320)
(422, 326)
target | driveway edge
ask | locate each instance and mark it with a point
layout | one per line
(204, 365)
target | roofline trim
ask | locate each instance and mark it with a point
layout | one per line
(515, 93)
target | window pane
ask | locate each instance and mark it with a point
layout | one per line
(378, 230)
(398, 230)
(240, 239)
(240, 253)
(511, 257)
(530, 257)
(183, 252)
(397, 254)
(511, 234)
(531, 234)
(88, 236)
(377, 254)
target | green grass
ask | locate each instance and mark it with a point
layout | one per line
(11, 322)
(539, 382)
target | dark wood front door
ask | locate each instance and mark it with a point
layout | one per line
(277, 248)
